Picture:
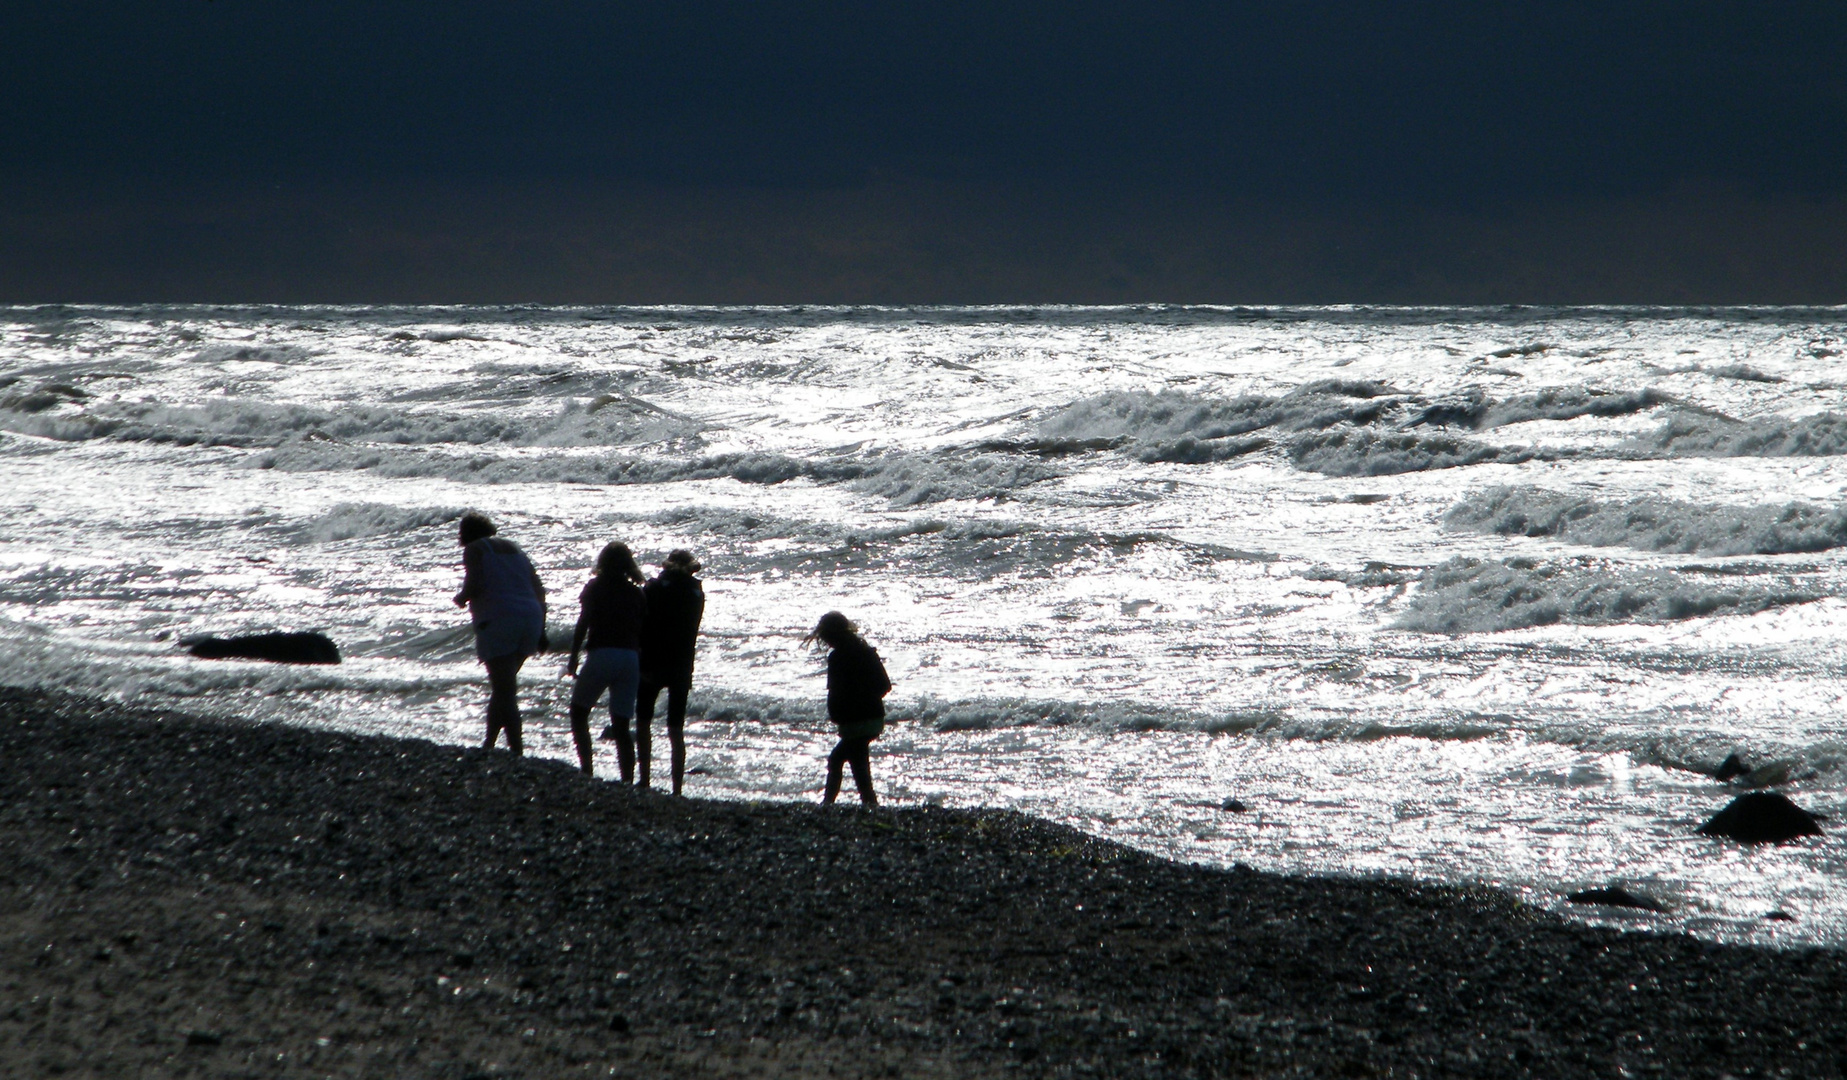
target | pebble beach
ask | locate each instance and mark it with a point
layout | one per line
(202, 898)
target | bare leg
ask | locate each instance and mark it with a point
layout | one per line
(836, 761)
(503, 701)
(644, 728)
(676, 732)
(625, 745)
(580, 734)
(859, 756)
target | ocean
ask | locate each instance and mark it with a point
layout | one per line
(1474, 595)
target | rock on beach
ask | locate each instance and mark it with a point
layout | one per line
(280, 648)
(191, 898)
(1762, 817)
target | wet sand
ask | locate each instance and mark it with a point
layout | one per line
(181, 897)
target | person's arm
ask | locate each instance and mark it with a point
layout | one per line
(577, 642)
(538, 587)
(471, 576)
(837, 678)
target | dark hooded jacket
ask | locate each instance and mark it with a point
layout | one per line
(670, 634)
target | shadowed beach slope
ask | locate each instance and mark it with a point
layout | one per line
(181, 897)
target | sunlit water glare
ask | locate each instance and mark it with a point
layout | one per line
(1123, 564)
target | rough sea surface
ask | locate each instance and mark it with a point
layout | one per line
(1468, 594)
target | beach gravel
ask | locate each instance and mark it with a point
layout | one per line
(181, 897)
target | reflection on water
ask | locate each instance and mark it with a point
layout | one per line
(1122, 565)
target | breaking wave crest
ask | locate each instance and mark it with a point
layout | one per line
(1464, 595)
(1338, 428)
(904, 479)
(1473, 409)
(977, 549)
(350, 521)
(1651, 524)
(1351, 452)
(1706, 435)
(1174, 426)
(611, 420)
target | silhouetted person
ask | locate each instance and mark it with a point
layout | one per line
(506, 601)
(856, 689)
(669, 635)
(609, 630)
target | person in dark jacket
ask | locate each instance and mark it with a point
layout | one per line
(609, 630)
(856, 689)
(669, 636)
(506, 603)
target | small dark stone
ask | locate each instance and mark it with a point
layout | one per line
(1615, 896)
(303, 648)
(1234, 806)
(463, 960)
(1780, 916)
(1731, 767)
(1762, 817)
(203, 1038)
(618, 1024)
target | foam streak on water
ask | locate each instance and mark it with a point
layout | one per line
(1467, 594)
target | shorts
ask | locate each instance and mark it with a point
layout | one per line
(516, 635)
(615, 670)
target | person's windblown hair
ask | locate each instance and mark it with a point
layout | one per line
(617, 559)
(833, 629)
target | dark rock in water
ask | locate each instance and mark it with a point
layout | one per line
(1733, 766)
(1780, 916)
(1615, 896)
(1234, 806)
(280, 648)
(1762, 817)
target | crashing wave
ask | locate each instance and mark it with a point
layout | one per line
(1465, 595)
(1179, 427)
(1476, 411)
(1651, 524)
(1359, 452)
(1338, 428)
(240, 422)
(978, 549)
(903, 479)
(1743, 373)
(1706, 435)
(351, 521)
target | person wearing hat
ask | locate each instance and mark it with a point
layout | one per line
(856, 689)
(669, 639)
(506, 603)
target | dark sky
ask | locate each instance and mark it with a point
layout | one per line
(924, 152)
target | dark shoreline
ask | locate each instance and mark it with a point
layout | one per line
(186, 897)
